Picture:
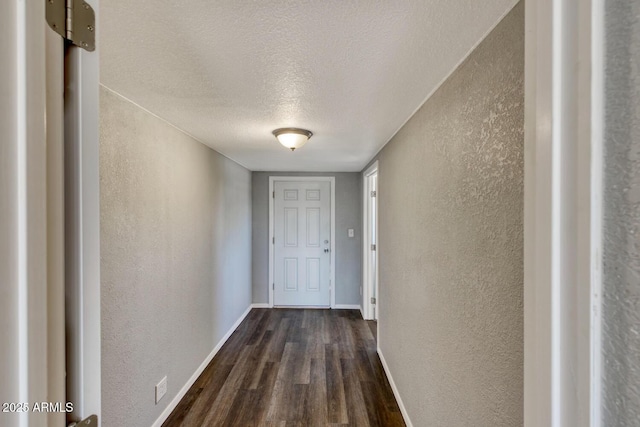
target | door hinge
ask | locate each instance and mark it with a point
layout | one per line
(373, 300)
(273, 286)
(273, 240)
(373, 194)
(74, 20)
(91, 421)
(273, 194)
(373, 247)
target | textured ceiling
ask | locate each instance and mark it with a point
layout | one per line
(229, 72)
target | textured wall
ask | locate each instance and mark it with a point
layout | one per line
(176, 257)
(621, 292)
(451, 243)
(348, 250)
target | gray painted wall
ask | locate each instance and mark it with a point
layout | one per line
(621, 279)
(176, 257)
(348, 250)
(451, 243)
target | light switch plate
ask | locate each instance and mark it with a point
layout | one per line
(351, 232)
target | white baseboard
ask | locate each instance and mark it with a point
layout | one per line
(260, 305)
(335, 307)
(403, 410)
(165, 414)
(346, 307)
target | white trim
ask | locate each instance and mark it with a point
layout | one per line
(367, 307)
(260, 305)
(23, 274)
(396, 393)
(597, 181)
(22, 178)
(56, 342)
(304, 307)
(562, 217)
(332, 275)
(347, 307)
(82, 228)
(171, 406)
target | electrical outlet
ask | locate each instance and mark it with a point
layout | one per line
(161, 389)
(350, 232)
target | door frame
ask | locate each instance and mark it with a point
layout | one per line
(35, 259)
(332, 270)
(82, 223)
(24, 364)
(563, 175)
(367, 284)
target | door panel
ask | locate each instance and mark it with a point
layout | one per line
(291, 227)
(302, 233)
(313, 227)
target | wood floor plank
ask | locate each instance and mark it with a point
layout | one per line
(293, 367)
(335, 385)
(316, 408)
(278, 405)
(356, 408)
(265, 392)
(257, 361)
(221, 406)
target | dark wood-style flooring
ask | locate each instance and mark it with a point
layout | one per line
(292, 367)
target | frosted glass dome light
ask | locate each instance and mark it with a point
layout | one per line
(292, 138)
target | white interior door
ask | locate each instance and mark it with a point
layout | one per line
(302, 233)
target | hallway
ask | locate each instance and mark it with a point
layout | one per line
(466, 172)
(187, 243)
(293, 367)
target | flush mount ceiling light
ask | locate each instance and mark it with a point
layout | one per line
(292, 137)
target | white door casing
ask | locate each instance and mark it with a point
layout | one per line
(301, 247)
(56, 352)
(563, 172)
(32, 357)
(374, 240)
(82, 228)
(370, 256)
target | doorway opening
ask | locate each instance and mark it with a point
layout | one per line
(370, 301)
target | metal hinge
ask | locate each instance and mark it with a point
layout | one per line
(74, 20)
(373, 247)
(373, 194)
(373, 300)
(273, 194)
(91, 421)
(273, 240)
(273, 286)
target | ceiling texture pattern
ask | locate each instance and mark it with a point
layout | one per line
(230, 72)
